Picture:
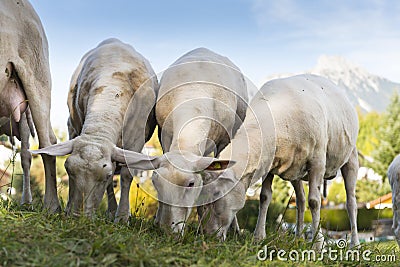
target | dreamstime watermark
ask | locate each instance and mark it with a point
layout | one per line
(335, 254)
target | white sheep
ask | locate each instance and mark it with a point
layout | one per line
(394, 179)
(111, 102)
(302, 127)
(25, 81)
(201, 104)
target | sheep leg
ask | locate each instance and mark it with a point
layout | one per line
(26, 159)
(37, 87)
(349, 172)
(112, 202)
(123, 211)
(51, 202)
(300, 205)
(235, 226)
(265, 200)
(316, 174)
(75, 199)
(160, 214)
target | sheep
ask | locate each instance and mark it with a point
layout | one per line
(299, 128)
(394, 179)
(25, 89)
(111, 102)
(202, 103)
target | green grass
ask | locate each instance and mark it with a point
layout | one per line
(33, 238)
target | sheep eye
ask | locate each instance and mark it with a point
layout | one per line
(191, 184)
(105, 165)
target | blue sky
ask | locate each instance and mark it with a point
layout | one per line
(261, 37)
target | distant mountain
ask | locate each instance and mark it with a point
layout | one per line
(365, 90)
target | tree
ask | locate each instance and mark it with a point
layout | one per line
(337, 192)
(389, 138)
(369, 190)
(366, 190)
(367, 139)
(281, 191)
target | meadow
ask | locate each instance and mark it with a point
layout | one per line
(31, 237)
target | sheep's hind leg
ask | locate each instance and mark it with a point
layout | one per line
(316, 175)
(349, 172)
(300, 205)
(26, 159)
(265, 200)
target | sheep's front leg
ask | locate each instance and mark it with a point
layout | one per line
(75, 199)
(123, 211)
(112, 202)
(316, 174)
(300, 205)
(349, 172)
(235, 226)
(265, 200)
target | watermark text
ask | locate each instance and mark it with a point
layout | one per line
(339, 253)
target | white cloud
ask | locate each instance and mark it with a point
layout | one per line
(327, 19)
(367, 31)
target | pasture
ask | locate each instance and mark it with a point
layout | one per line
(30, 237)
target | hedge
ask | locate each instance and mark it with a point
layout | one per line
(331, 219)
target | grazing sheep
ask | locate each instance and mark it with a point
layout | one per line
(202, 103)
(111, 103)
(25, 90)
(301, 127)
(394, 179)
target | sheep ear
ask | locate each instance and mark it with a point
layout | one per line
(135, 160)
(60, 149)
(218, 165)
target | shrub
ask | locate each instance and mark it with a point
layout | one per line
(338, 220)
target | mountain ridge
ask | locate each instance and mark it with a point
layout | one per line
(365, 90)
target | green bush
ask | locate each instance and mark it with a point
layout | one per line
(247, 216)
(338, 220)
